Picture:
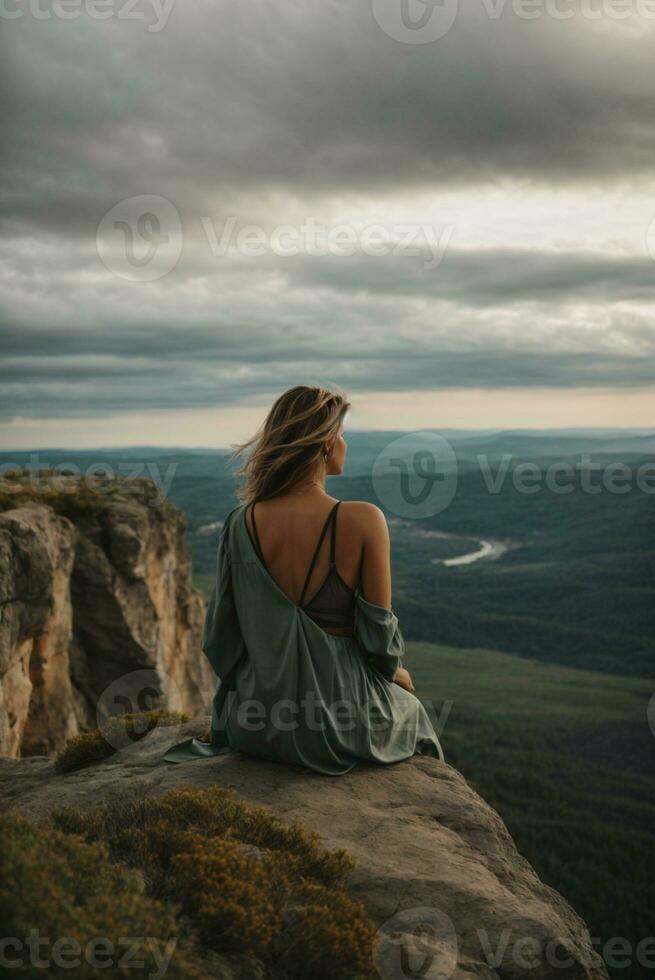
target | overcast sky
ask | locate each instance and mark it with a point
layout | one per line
(455, 230)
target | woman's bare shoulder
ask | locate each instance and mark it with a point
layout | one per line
(364, 516)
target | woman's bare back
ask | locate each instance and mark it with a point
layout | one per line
(289, 527)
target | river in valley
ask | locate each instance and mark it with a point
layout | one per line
(487, 549)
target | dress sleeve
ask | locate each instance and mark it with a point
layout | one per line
(222, 642)
(379, 638)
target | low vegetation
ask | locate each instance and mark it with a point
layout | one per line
(84, 750)
(71, 494)
(62, 491)
(200, 876)
(247, 883)
(68, 894)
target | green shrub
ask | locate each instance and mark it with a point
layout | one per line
(249, 883)
(213, 812)
(69, 495)
(67, 890)
(84, 750)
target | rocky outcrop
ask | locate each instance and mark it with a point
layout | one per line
(436, 867)
(37, 697)
(97, 615)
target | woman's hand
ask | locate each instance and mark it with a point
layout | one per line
(403, 679)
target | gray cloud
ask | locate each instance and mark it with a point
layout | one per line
(309, 94)
(488, 277)
(239, 104)
(64, 391)
(496, 318)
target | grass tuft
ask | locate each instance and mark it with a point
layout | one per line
(249, 883)
(67, 893)
(91, 747)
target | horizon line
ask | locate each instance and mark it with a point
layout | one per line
(530, 431)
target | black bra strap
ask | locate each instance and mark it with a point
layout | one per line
(329, 518)
(334, 533)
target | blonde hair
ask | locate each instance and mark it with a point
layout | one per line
(287, 448)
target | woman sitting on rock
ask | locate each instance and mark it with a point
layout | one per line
(300, 628)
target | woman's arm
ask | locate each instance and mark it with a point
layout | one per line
(376, 570)
(376, 557)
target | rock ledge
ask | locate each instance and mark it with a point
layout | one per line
(429, 851)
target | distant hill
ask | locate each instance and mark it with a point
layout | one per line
(577, 588)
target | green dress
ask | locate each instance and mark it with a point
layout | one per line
(289, 691)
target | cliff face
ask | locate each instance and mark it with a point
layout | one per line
(97, 612)
(38, 706)
(436, 867)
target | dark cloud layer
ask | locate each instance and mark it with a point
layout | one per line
(314, 95)
(495, 318)
(310, 100)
